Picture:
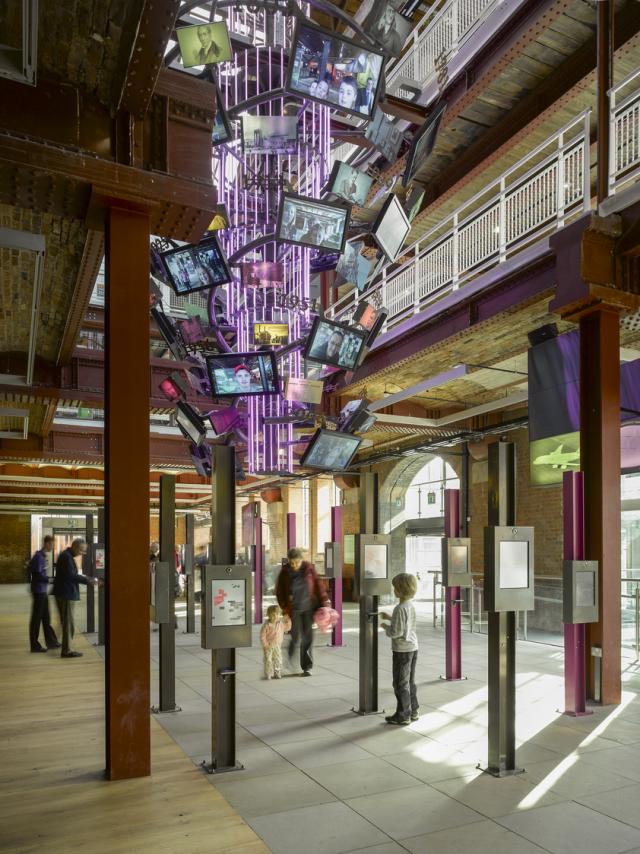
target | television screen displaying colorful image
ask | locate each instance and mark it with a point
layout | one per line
(387, 28)
(262, 274)
(196, 267)
(269, 134)
(240, 374)
(353, 266)
(349, 183)
(310, 222)
(391, 227)
(334, 70)
(204, 44)
(330, 451)
(335, 344)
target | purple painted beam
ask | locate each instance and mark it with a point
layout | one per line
(335, 584)
(257, 619)
(453, 641)
(291, 530)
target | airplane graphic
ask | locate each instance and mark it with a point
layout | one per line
(559, 459)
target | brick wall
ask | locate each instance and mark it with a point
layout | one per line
(15, 547)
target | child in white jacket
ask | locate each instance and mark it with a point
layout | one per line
(271, 635)
(404, 646)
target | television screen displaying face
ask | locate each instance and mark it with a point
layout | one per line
(514, 564)
(384, 135)
(269, 134)
(353, 266)
(387, 28)
(375, 560)
(270, 334)
(262, 274)
(334, 344)
(240, 374)
(423, 143)
(309, 222)
(330, 450)
(204, 44)
(366, 315)
(221, 128)
(391, 228)
(349, 183)
(194, 268)
(334, 70)
(190, 423)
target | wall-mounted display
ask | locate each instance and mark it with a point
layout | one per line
(190, 422)
(384, 135)
(330, 450)
(331, 343)
(204, 44)
(334, 70)
(391, 227)
(221, 125)
(423, 143)
(387, 28)
(310, 222)
(269, 134)
(262, 274)
(270, 334)
(234, 374)
(196, 267)
(349, 183)
(353, 266)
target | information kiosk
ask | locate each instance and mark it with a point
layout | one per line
(580, 591)
(456, 562)
(159, 601)
(372, 564)
(226, 607)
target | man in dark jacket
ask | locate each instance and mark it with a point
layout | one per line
(67, 592)
(300, 593)
(40, 592)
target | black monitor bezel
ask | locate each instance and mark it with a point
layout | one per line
(342, 326)
(205, 243)
(333, 177)
(324, 102)
(391, 200)
(194, 418)
(434, 118)
(343, 206)
(206, 64)
(168, 332)
(316, 436)
(245, 355)
(225, 121)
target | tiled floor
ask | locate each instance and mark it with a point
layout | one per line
(319, 778)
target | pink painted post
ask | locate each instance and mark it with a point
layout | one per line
(336, 583)
(453, 643)
(257, 619)
(575, 683)
(291, 530)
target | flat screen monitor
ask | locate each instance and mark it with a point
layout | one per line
(190, 423)
(387, 28)
(310, 222)
(349, 412)
(329, 450)
(196, 267)
(269, 134)
(384, 135)
(335, 344)
(413, 202)
(375, 560)
(228, 602)
(167, 330)
(423, 143)
(221, 126)
(262, 274)
(514, 564)
(173, 388)
(334, 70)
(201, 459)
(366, 315)
(391, 227)
(585, 589)
(353, 266)
(204, 44)
(349, 183)
(243, 374)
(270, 334)
(459, 560)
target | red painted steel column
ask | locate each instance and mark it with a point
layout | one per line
(575, 685)
(453, 642)
(600, 462)
(126, 493)
(291, 530)
(336, 583)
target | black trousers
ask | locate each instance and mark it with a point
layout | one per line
(404, 684)
(302, 633)
(40, 615)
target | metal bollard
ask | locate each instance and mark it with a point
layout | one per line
(596, 653)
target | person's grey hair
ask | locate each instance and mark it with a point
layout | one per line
(405, 585)
(295, 554)
(79, 542)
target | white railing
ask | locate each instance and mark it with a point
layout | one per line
(534, 197)
(436, 40)
(624, 134)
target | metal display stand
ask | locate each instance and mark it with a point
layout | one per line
(87, 569)
(223, 660)
(102, 620)
(452, 594)
(335, 583)
(168, 629)
(190, 574)
(258, 565)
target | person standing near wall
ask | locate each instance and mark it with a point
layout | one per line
(39, 580)
(66, 589)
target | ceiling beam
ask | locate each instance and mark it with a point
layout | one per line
(85, 280)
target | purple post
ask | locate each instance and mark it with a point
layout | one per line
(335, 584)
(575, 683)
(258, 567)
(453, 643)
(291, 530)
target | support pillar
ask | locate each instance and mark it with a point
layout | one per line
(336, 583)
(126, 446)
(600, 462)
(291, 530)
(259, 569)
(575, 688)
(368, 613)
(102, 620)
(452, 607)
(190, 573)
(167, 631)
(87, 569)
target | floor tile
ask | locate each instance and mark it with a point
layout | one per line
(431, 761)
(257, 796)
(389, 848)
(364, 777)
(321, 751)
(481, 837)
(621, 804)
(572, 777)
(493, 797)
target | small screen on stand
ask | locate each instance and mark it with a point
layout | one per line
(375, 560)
(585, 589)
(514, 564)
(228, 602)
(459, 560)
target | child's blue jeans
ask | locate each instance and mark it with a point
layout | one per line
(404, 684)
